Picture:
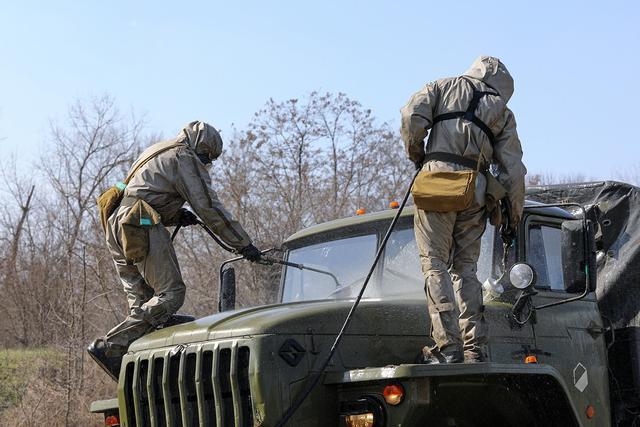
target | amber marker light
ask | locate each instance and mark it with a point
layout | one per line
(394, 205)
(591, 411)
(531, 359)
(393, 394)
(361, 211)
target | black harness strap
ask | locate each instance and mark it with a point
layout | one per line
(470, 113)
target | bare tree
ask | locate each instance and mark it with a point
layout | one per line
(313, 160)
(549, 178)
(57, 268)
(630, 175)
(305, 161)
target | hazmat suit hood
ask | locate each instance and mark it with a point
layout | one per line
(202, 138)
(493, 72)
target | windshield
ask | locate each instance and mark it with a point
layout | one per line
(345, 262)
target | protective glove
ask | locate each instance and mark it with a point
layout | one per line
(186, 218)
(509, 223)
(251, 253)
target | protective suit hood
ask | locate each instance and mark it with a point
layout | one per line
(493, 72)
(202, 138)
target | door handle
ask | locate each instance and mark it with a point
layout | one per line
(595, 330)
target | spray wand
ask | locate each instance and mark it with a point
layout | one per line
(264, 259)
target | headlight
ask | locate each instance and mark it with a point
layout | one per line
(360, 420)
(364, 412)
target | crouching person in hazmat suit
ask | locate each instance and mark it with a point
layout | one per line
(470, 128)
(163, 178)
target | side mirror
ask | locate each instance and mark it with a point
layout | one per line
(592, 255)
(522, 275)
(227, 296)
(573, 258)
(576, 259)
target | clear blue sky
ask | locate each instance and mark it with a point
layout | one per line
(575, 64)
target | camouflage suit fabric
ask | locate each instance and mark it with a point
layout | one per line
(449, 242)
(154, 286)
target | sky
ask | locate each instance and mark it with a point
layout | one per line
(574, 63)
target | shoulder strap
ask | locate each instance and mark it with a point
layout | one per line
(470, 113)
(153, 154)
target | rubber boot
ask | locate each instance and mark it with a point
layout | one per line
(429, 356)
(474, 357)
(107, 356)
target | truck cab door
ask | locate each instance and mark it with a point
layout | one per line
(508, 342)
(569, 336)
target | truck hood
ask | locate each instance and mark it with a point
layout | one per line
(373, 317)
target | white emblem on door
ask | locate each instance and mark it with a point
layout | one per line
(580, 377)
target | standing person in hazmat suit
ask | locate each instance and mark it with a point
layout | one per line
(163, 178)
(470, 128)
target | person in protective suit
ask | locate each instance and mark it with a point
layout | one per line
(165, 176)
(469, 127)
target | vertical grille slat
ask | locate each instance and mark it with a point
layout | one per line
(153, 411)
(143, 396)
(166, 391)
(204, 385)
(187, 388)
(173, 400)
(156, 394)
(204, 389)
(244, 386)
(235, 388)
(135, 391)
(217, 392)
(128, 394)
(226, 393)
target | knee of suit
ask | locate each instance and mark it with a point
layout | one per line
(465, 269)
(433, 264)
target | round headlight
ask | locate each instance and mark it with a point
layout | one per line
(521, 275)
(364, 412)
(360, 420)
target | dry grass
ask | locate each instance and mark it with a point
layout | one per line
(35, 389)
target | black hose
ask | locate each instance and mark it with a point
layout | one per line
(175, 232)
(216, 238)
(314, 381)
(210, 233)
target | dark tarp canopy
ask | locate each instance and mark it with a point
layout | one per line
(615, 207)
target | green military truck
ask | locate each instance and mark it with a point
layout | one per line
(555, 358)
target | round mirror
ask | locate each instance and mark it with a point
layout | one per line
(521, 275)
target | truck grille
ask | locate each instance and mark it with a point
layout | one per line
(205, 385)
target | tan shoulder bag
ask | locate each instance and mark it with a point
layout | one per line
(446, 191)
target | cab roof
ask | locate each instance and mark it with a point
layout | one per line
(408, 211)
